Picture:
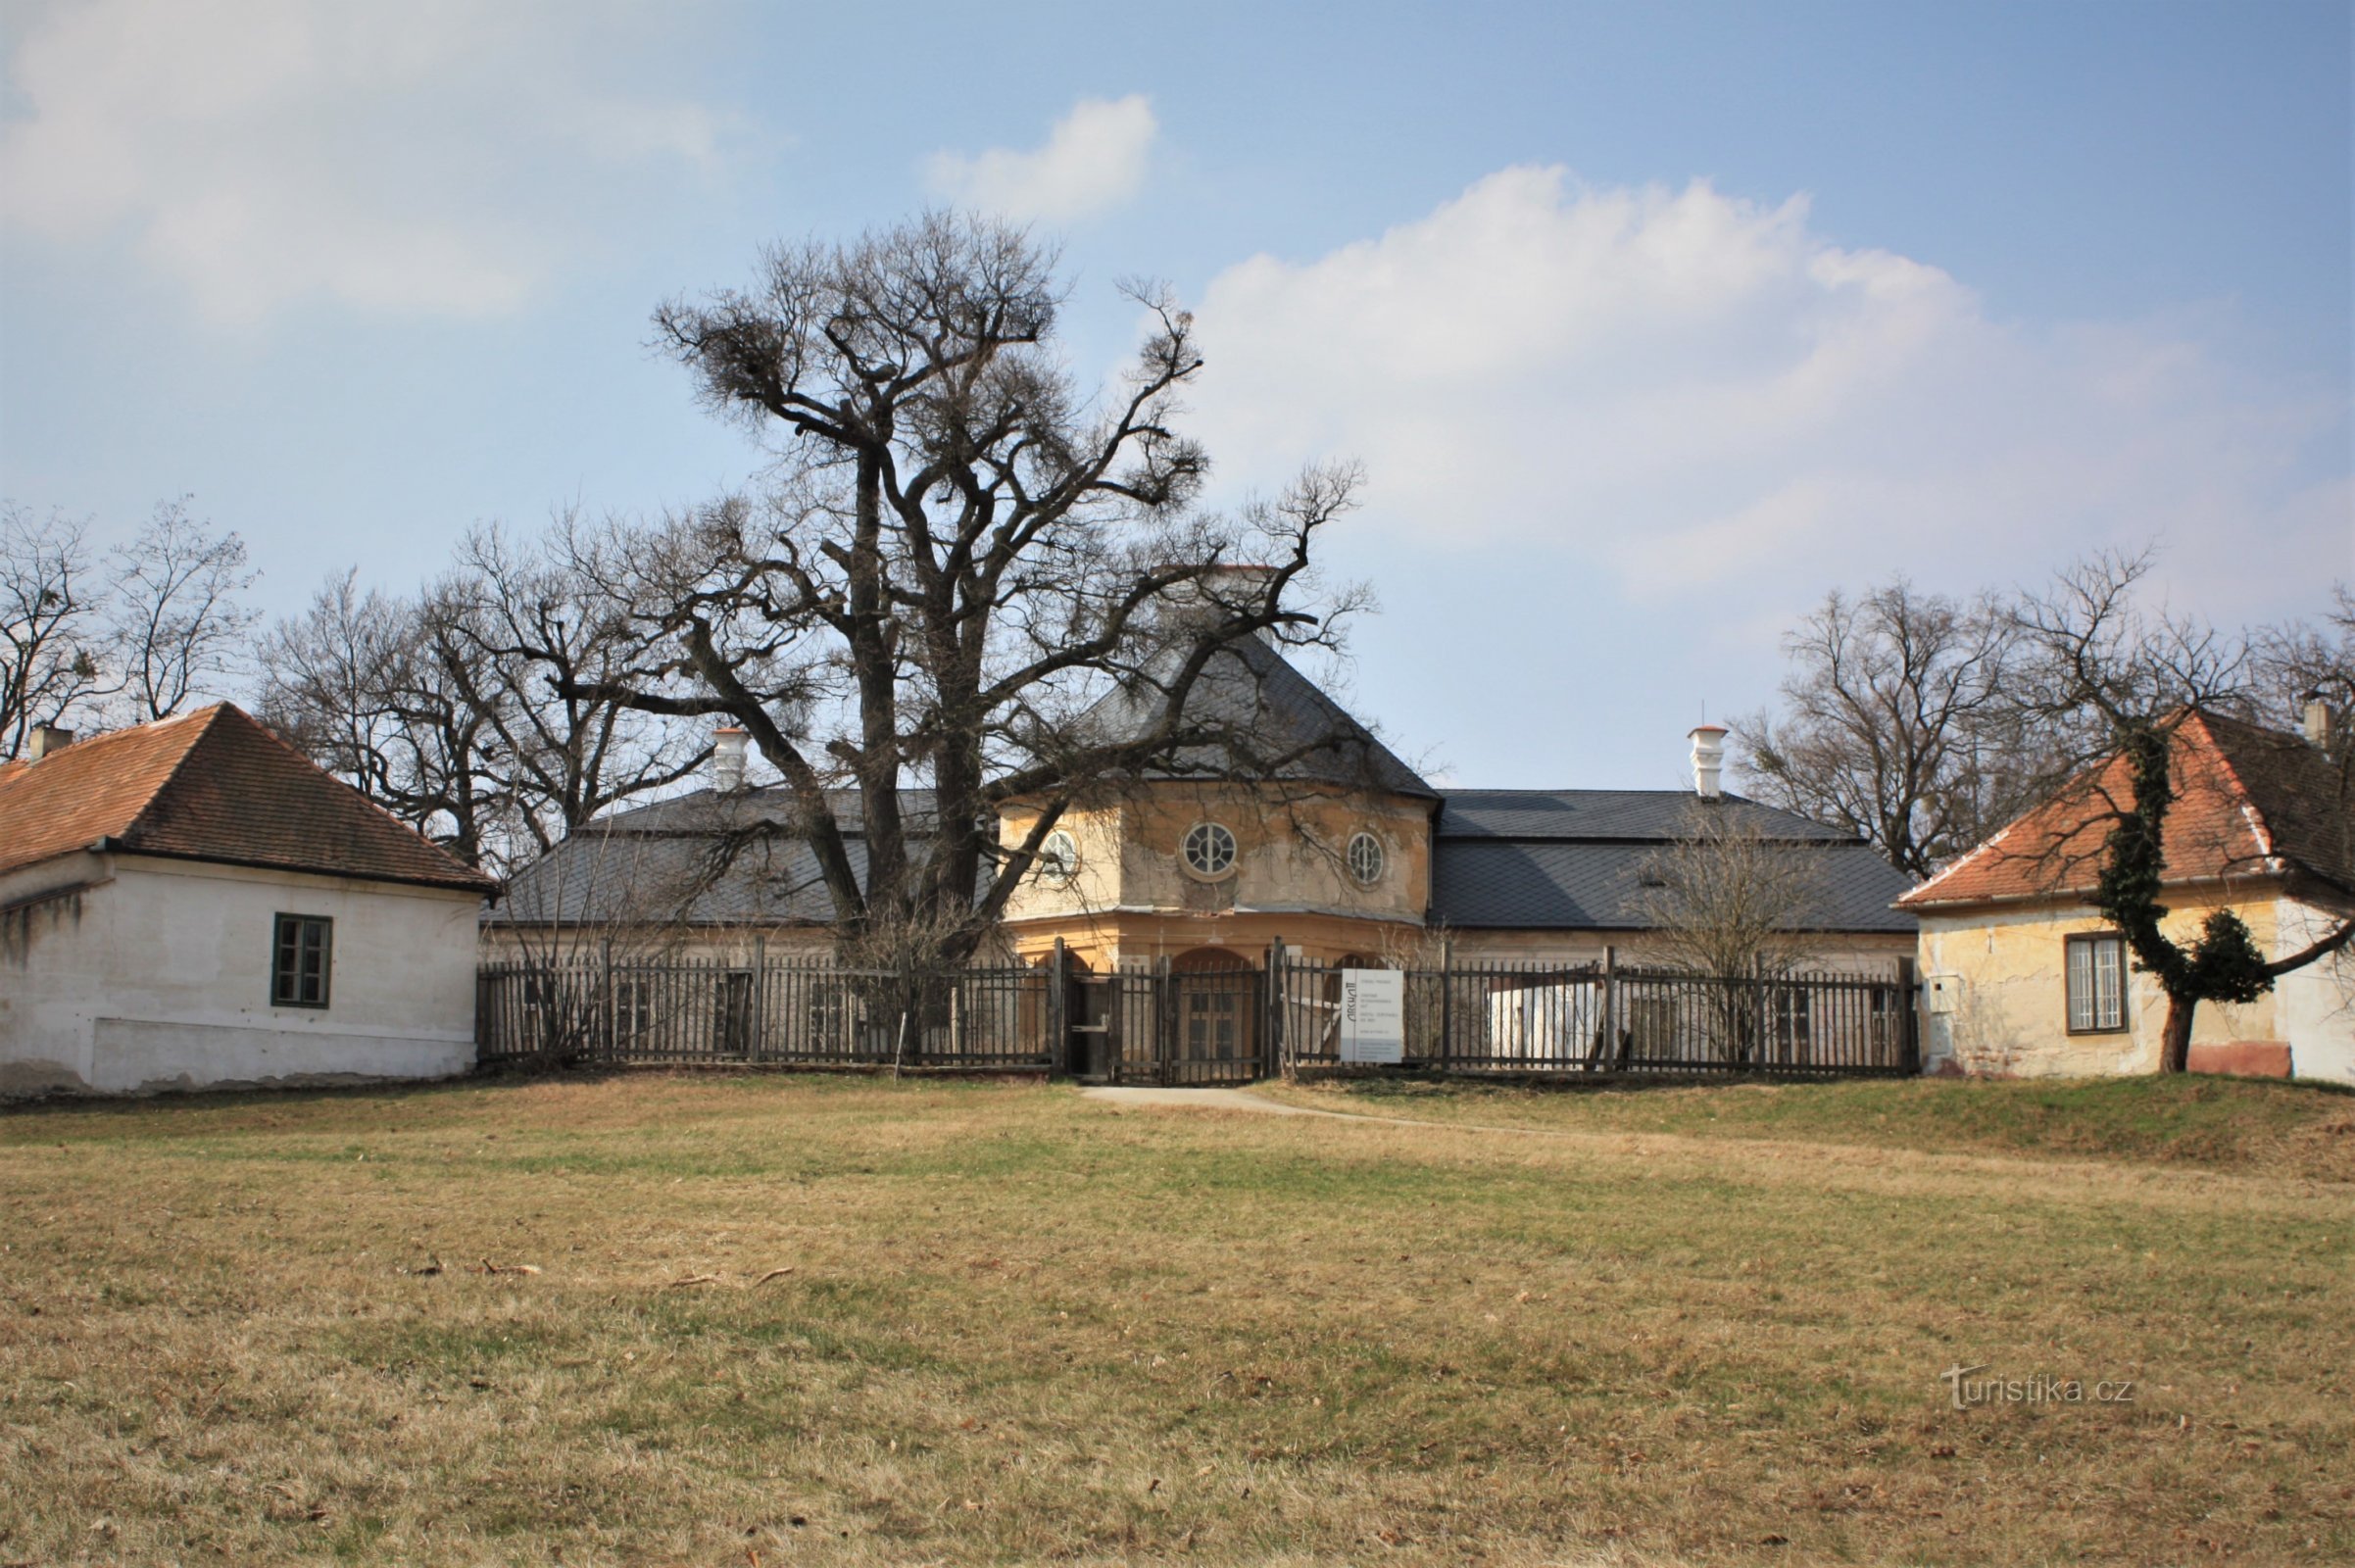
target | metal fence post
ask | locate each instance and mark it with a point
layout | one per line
(1271, 1038)
(754, 1045)
(1606, 1028)
(1910, 1002)
(1165, 1023)
(601, 1041)
(1057, 1044)
(1447, 1030)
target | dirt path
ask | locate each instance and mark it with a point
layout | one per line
(1201, 1100)
(1252, 1101)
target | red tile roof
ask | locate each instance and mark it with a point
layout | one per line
(2249, 803)
(211, 785)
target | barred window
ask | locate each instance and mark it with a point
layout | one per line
(2096, 984)
(302, 954)
(1366, 858)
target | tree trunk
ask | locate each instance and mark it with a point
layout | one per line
(2175, 1043)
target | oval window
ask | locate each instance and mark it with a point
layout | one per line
(1210, 850)
(1366, 858)
(1058, 857)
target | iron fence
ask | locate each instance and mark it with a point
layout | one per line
(1152, 1024)
(765, 1012)
(1554, 1020)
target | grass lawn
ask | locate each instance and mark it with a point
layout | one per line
(781, 1320)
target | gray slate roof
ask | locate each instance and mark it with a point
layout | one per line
(1267, 720)
(1650, 816)
(664, 863)
(1570, 859)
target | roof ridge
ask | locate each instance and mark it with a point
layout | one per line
(85, 744)
(210, 715)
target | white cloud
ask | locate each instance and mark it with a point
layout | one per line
(1093, 160)
(424, 156)
(1689, 390)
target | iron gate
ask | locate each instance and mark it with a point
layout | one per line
(1186, 1028)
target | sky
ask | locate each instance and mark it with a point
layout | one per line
(1649, 325)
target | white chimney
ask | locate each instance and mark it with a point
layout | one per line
(727, 760)
(2317, 721)
(1708, 759)
(45, 739)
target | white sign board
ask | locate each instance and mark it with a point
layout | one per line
(1373, 1015)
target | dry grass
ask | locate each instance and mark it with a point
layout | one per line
(1021, 1327)
(2245, 1124)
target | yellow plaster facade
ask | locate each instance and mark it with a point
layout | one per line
(1131, 899)
(1995, 975)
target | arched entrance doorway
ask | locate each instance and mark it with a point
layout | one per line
(1217, 1000)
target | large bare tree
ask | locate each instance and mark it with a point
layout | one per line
(956, 552)
(1896, 724)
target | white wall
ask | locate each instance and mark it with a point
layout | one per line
(137, 974)
(2315, 1006)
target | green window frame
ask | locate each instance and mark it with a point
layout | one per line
(302, 959)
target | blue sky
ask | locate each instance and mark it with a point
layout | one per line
(1649, 323)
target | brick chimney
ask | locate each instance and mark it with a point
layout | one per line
(727, 760)
(1708, 761)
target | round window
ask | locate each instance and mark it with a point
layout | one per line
(1365, 858)
(1058, 857)
(1210, 850)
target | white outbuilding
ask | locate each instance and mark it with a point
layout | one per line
(192, 904)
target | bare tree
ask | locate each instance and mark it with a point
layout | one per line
(956, 554)
(2311, 660)
(1727, 901)
(444, 709)
(178, 622)
(1727, 898)
(1895, 725)
(133, 639)
(530, 643)
(361, 685)
(2112, 679)
(50, 607)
